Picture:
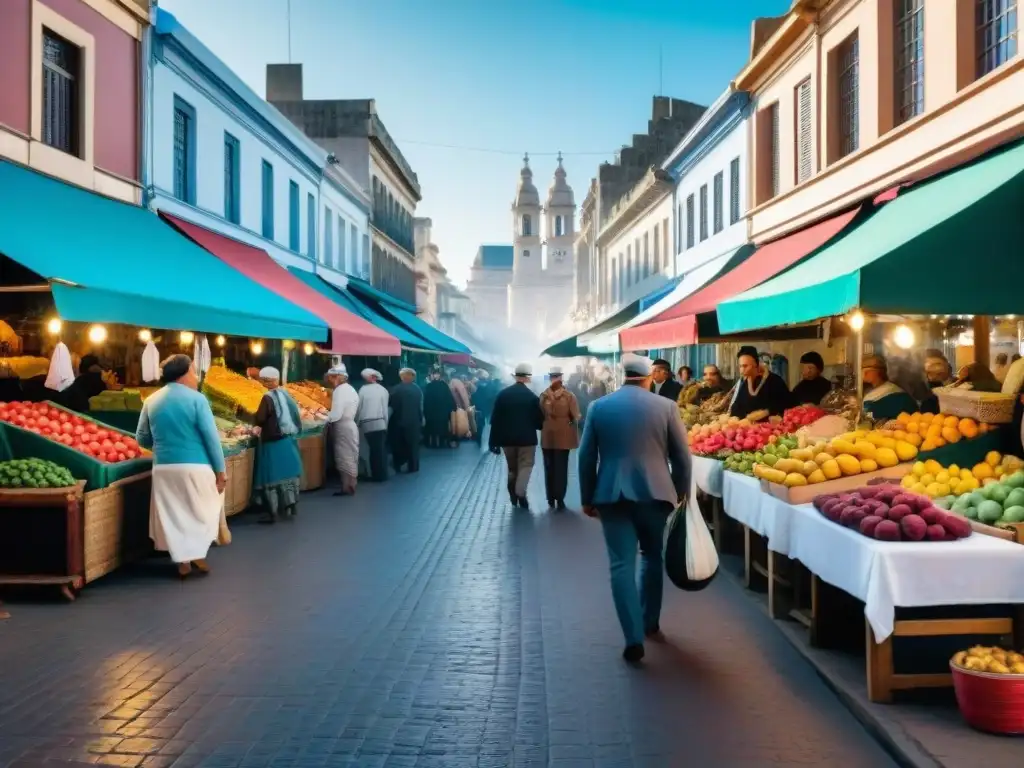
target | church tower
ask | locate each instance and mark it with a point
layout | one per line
(526, 224)
(560, 226)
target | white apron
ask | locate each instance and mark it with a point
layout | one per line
(185, 511)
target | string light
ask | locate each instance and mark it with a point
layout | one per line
(97, 334)
(186, 338)
(145, 336)
(221, 341)
(257, 348)
(289, 344)
(857, 320)
(904, 337)
(308, 348)
(54, 325)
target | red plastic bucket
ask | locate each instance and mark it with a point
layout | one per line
(990, 702)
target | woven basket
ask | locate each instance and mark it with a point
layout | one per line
(314, 467)
(983, 407)
(988, 702)
(238, 471)
(116, 525)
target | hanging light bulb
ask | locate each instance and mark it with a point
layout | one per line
(54, 325)
(857, 320)
(257, 348)
(308, 348)
(289, 344)
(221, 341)
(904, 337)
(97, 334)
(186, 338)
(145, 336)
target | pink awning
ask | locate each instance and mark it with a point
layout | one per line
(350, 334)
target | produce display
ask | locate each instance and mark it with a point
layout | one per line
(34, 473)
(852, 453)
(310, 409)
(69, 429)
(25, 367)
(229, 391)
(937, 430)
(997, 661)
(801, 416)
(929, 478)
(233, 433)
(888, 513)
(745, 461)
(123, 400)
(728, 434)
(319, 394)
(995, 503)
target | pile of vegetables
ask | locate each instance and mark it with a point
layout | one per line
(34, 473)
(60, 426)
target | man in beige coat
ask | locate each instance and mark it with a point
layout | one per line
(559, 435)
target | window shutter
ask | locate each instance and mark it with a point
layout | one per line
(803, 131)
(734, 191)
(775, 149)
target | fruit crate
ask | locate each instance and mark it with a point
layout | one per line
(803, 494)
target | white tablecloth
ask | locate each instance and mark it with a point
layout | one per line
(707, 475)
(742, 500)
(977, 570)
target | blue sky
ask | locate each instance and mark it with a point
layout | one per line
(515, 76)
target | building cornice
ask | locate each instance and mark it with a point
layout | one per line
(801, 15)
(645, 194)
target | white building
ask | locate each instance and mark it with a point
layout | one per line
(430, 272)
(221, 157)
(488, 286)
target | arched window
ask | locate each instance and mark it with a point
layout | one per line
(527, 226)
(526, 254)
(559, 227)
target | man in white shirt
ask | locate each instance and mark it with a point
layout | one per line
(342, 430)
(372, 418)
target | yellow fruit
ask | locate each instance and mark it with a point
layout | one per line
(970, 484)
(934, 430)
(864, 449)
(843, 446)
(920, 488)
(849, 465)
(942, 477)
(953, 469)
(951, 434)
(821, 458)
(905, 451)
(809, 468)
(957, 487)
(968, 428)
(903, 418)
(868, 465)
(951, 421)
(992, 458)
(886, 457)
(933, 467)
(965, 474)
(939, 442)
(919, 468)
(982, 471)
(772, 475)
(802, 454)
(915, 440)
(924, 418)
(908, 480)
(831, 469)
(927, 479)
(899, 434)
(928, 445)
(789, 465)
(794, 479)
(944, 489)
(913, 428)
(932, 489)
(817, 476)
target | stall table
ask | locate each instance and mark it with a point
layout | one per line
(312, 448)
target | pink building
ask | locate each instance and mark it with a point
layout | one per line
(70, 93)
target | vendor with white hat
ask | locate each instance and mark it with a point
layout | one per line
(516, 419)
(559, 435)
(278, 463)
(342, 432)
(372, 418)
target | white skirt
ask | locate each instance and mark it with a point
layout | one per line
(185, 511)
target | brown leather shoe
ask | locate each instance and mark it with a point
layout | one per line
(184, 569)
(201, 566)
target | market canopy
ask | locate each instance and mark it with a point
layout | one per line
(677, 326)
(949, 245)
(406, 338)
(350, 333)
(113, 262)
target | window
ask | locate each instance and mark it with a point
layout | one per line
(558, 226)
(526, 254)
(679, 227)
(232, 180)
(62, 61)
(734, 190)
(629, 265)
(268, 201)
(184, 152)
(664, 241)
(719, 202)
(647, 254)
(996, 33)
(527, 225)
(328, 258)
(689, 221)
(311, 226)
(704, 213)
(636, 260)
(615, 280)
(355, 250)
(773, 150)
(366, 261)
(804, 128)
(342, 238)
(849, 103)
(908, 41)
(293, 216)
(657, 251)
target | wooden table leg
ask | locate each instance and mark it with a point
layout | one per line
(747, 555)
(879, 667)
(716, 521)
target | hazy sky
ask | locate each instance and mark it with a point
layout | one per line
(508, 76)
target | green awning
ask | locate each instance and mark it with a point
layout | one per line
(566, 348)
(408, 339)
(363, 287)
(112, 262)
(949, 245)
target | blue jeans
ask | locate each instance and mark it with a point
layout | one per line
(626, 525)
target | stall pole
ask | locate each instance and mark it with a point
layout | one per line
(981, 340)
(859, 373)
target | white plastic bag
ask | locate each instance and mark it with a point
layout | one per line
(691, 560)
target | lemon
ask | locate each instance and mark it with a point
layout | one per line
(908, 481)
(934, 490)
(992, 458)
(942, 477)
(965, 474)
(927, 479)
(920, 488)
(953, 469)
(918, 468)
(943, 489)
(933, 466)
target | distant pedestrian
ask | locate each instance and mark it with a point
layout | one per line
(483, 402)
(278, 473)
(406, 425)
(516, 419)
(559, 435)
(372, 418)
(342, 431)
(438, 407)
(634, 468)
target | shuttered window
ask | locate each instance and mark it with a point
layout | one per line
(664, 240)
(184, 152)
(849, 96)
(310, 226)
(267, 185)
(689, 221)
(232, 182)
(657, 249)
(328, 237)
(355, 252)
(61, 75)
(293, 216)
(704, 213)
(734, 190)
(719, 202)
(804, 165)
(342, 240)
(909, 65)
(997, 30)
(773, 138)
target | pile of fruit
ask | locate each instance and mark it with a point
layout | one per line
(801, 416)
(25, 367)
(689, 413)
(994, 660)
(224, 387)
(312, 390)
(34, 473)
(727, 435)
(232, 432)
(995, 503)
(929, 478)
(937, 430)
(309, 409)
(888, 513)
(852, 453)
(745, 461)
(123, 400)
(88, 437)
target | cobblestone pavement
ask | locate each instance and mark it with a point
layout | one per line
(423, 623)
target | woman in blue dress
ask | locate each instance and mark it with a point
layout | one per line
(278, 463)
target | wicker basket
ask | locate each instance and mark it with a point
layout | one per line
(988, 702)
(314, 468)
(983, 407)
(116, 525)
(238, 470)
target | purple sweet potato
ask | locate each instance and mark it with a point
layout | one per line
(831, 504)
(821, 499)
(878, 506)
(833, 511)
(913, 527)
(909, 499)
(852, 515)
(868, 491)
(936, 533)
(868, 524)
(958, 527)
(888, 495)
(887, 530)
(898, 511)
(931, 515)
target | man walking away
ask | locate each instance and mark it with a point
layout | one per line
(406, 423)
(438, 407)
(662, 381)
(634, 468)
(372, 418)
(516, 418)
(559, 436)
(483, 402)
(342, 430)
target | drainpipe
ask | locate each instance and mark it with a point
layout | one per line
(145, 99)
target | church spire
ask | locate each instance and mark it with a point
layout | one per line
(560, 193)
(526, 193)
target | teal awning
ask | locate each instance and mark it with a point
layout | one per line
(112, 262)
(408, 339)
(948, 245)
(566, 348)
(363, 287)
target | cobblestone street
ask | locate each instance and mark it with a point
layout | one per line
(422, 623)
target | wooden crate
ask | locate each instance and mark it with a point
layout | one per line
(115, 527)
(803, 494)
(312, 449)
(238, 470)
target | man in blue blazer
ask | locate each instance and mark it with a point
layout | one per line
(634, 468)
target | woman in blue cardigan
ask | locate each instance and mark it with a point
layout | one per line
(188, 467)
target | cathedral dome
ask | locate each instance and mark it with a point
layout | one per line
(526, 193)
(560, 193)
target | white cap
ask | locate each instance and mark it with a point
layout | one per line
(555, 372)
(524, 370)
(635, 366)
(370, 373)
(270, 373)
(338, 370)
